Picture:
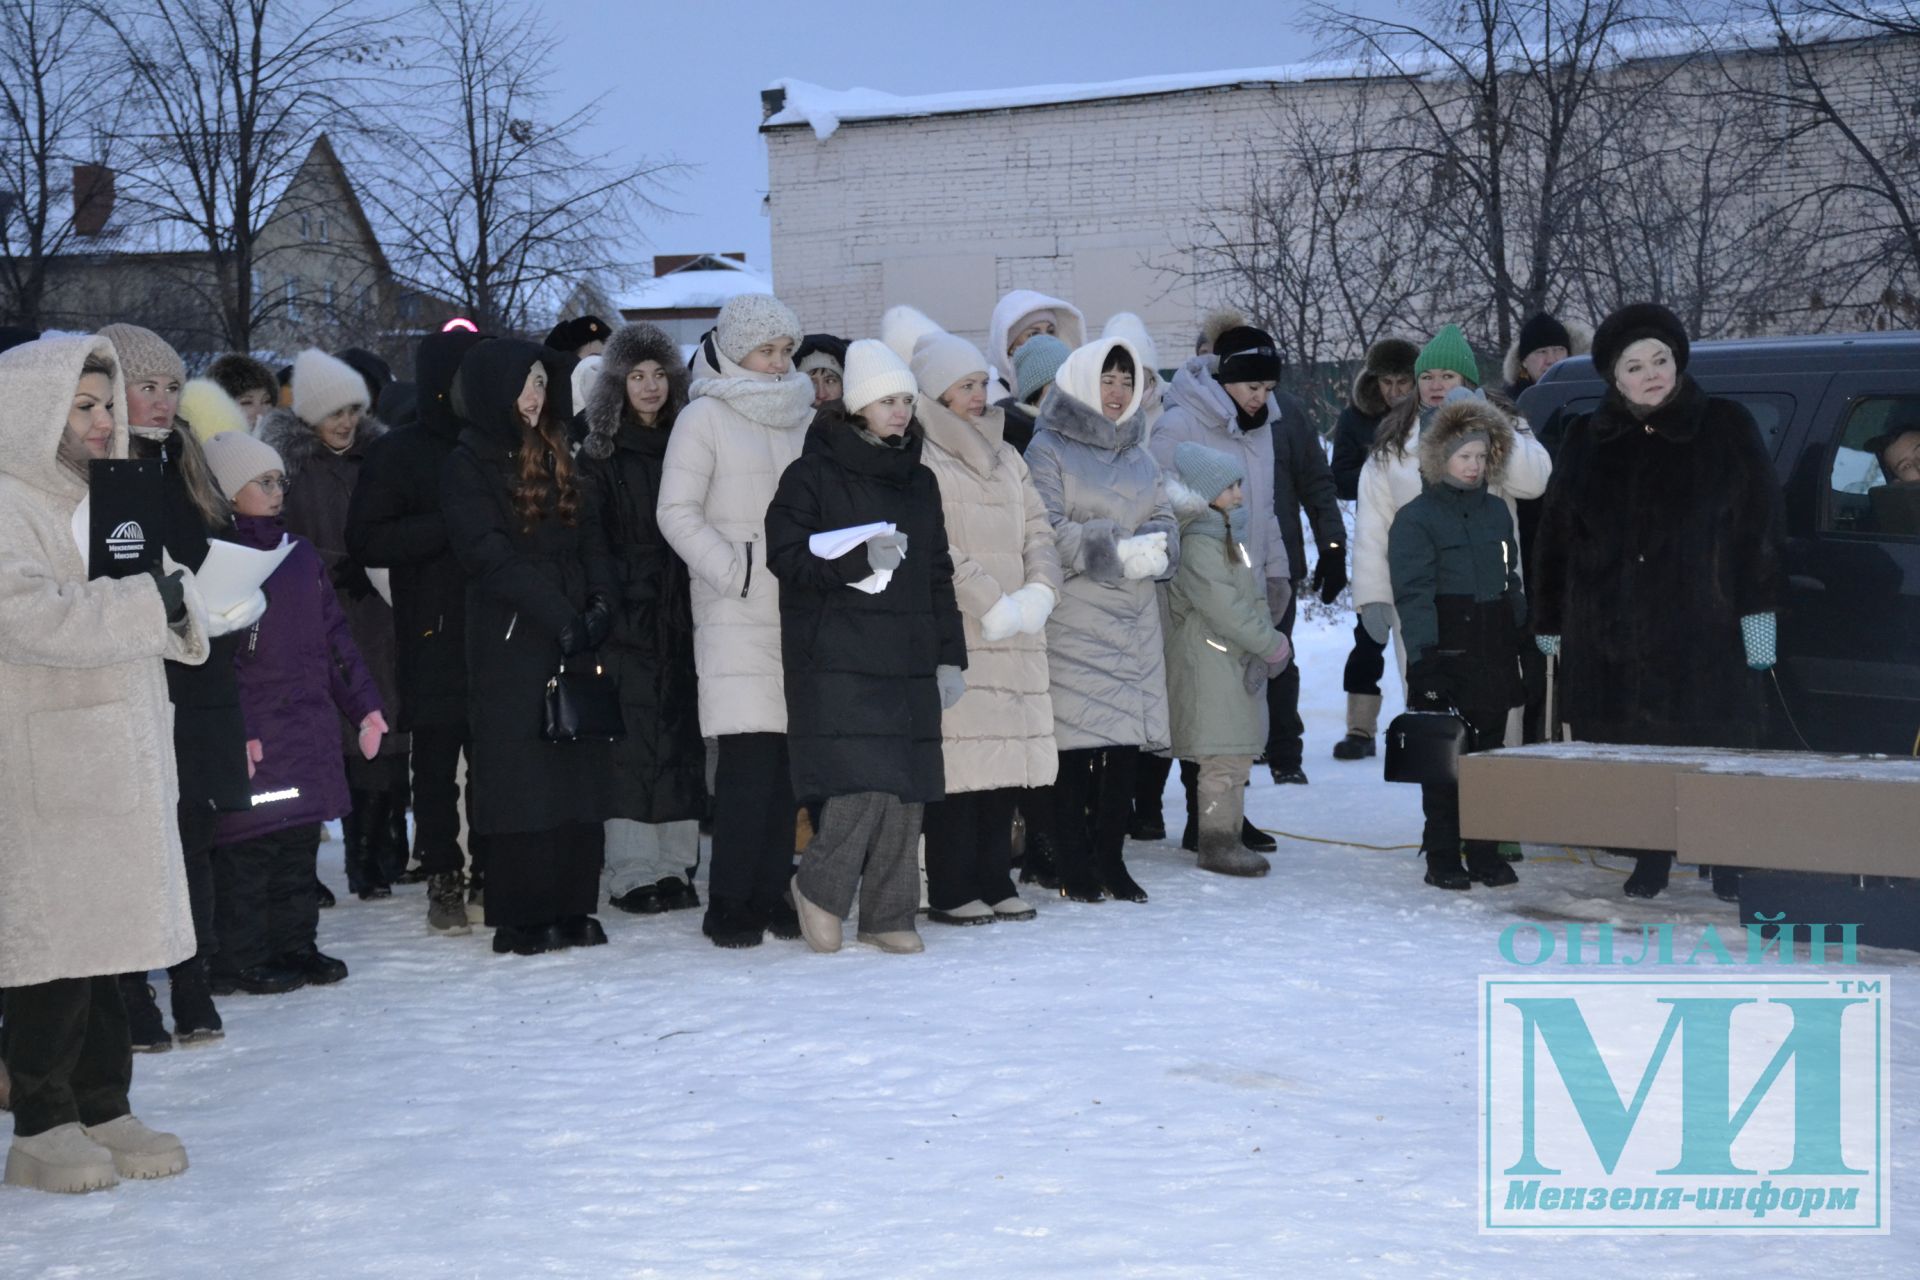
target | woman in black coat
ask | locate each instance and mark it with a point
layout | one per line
(867, 672)
(659, 769)
(1658, 564)
(539, 590)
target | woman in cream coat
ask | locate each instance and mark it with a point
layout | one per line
(91, 879)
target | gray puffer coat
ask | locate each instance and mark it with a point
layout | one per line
(1104, 652)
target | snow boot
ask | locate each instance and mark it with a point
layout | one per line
(195, 1020)
(1363, 721)
(783, 922)
(582, 931)
(145, 1028)
(1038, 865)
(1288, 775)
(1079, 882)
(527, 939)
(261, 980)
(447, 905)
(1485, 865)
(676, 894)
(819, 926)
(1650, 874)
(975, 912)
(317, 967)
(1014, 908)
(733, 926)
(63, 1159)
(1445, 872)
(1256, 839)
(899, 942)
(139, 1152)
(1147, 827)
(1223, 854)
(1118, 884)
(1354, 747)
(1726, 883)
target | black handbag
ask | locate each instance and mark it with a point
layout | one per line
(583, 707)
(1425, 746)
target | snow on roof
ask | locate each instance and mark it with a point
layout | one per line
(825, 109)
(690, 288)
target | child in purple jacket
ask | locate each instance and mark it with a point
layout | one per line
(299, 673)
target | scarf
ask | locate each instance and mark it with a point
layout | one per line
(782, 403)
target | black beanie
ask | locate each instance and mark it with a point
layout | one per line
(1246, 354)
(1629, 325)
(571, 335)
(1543, 331)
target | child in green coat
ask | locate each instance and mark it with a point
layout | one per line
(1455, 566)
(1222, 647)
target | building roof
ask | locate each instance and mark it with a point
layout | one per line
(710, 282)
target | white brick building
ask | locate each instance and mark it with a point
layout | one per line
(947, 202)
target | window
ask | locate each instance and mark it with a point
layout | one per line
(326, 295)
(306, 228)
(1873, 484)
(323, 228)
(290, 287)
(1771, 410)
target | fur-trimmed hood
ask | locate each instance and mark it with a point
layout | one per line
(1077, 420)
(1511, 371)
(298, 444)
(1455, 419)
(1388, 355)
(1187, 503)
(630, 346)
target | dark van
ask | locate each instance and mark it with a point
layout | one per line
(1850, 635)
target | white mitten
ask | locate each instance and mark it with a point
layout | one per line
(1036, 601)
(1000, 621)
(1144, 555)
(238, 618)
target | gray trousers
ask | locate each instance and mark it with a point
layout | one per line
(647, 852)
(869, 841)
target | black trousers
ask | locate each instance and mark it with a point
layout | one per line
(753, 809)
(66, 1047)
(1150, 786)
(538, 877)
(1533, 673)
(1284, 727)
(436, 796)
(970, 848)
(1035, 805)
(1440, 801)
(1365, 665)
(264, 903)
(1091, 801)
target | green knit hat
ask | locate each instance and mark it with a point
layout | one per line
(1448, 349)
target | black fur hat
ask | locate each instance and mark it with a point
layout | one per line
(1629, 325)
(571, 335)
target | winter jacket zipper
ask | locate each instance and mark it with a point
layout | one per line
(747, 585)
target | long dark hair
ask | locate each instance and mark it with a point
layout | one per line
(545, 482)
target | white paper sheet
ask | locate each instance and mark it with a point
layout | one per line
(231, 574)
(831, 544)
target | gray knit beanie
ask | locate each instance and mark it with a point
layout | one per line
(144, 353)
(1037, 361)
(1208, 472)
(752, 319)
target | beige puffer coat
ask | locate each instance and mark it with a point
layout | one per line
(1000, 733)
(91, 880)
(729, 447)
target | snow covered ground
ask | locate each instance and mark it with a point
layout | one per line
(1262, 1079)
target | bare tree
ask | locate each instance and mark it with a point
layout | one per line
(234, 94)
(489, 199)
(55, 108)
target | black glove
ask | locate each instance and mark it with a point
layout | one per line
(1428, 688)
(1330, 576)
(173, 594)
(351, 578)
(599, 620)
(573, 636)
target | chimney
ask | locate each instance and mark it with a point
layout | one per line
(92, 198)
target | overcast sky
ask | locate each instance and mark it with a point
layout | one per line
(685, 77)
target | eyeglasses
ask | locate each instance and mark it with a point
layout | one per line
(273, 484)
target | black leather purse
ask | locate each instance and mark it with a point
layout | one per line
(583, 707)
(1425, 746)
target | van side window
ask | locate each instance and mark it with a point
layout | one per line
(1771, 410)
(1873, 485)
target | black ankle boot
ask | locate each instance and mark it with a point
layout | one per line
(1485, 865)
(1445, 872)
(145, 1028)
(1649, 876)
(195, 1020)
(366, 845)
(1039, 866)
(1119, 885)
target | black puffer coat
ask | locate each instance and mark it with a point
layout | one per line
(1655, 540)
(394, 522)
(659, 771)
(523, 588)
(863, 709)
(209, 731)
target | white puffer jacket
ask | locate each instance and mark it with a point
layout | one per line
(728, 449)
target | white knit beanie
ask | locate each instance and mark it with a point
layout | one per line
(584, 375)
(902, 328)
(941, 359)
(237, 459)
(1125, 324)
(751, 320)
(873, 373)
(323, 385)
